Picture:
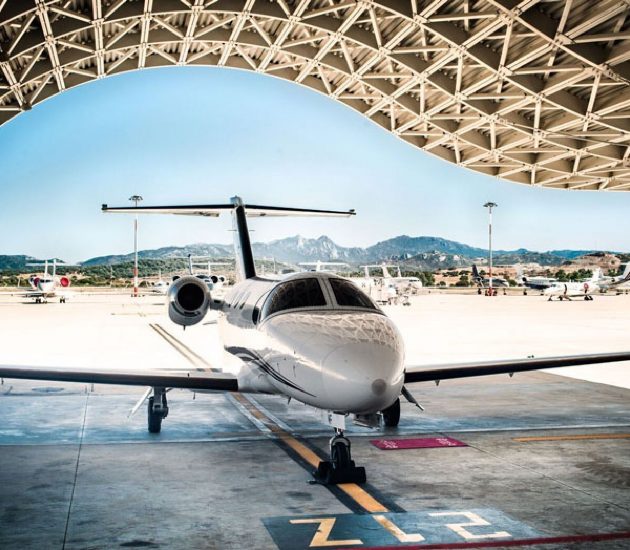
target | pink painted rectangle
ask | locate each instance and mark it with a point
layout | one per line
(422, 443)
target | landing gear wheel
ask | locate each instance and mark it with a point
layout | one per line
(391, 415)
(155, 419)
(157, 410)
(340, 453)
(340, 468)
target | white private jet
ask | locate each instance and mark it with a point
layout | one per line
(47, 285)
(313, 337)
(582, 289)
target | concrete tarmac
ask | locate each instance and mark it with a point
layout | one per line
(547, 461)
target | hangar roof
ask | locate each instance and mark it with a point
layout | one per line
(532, 91)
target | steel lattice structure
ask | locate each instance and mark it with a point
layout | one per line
(533, 91)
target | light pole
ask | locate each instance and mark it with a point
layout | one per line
(135, 199)
(490, 206)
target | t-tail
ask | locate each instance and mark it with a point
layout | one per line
(240, 212)
(475, 273)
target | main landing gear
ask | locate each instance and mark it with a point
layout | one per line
(157, 410)
(340, 468)
(391, 415)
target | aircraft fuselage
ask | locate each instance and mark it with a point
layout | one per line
(342, 358)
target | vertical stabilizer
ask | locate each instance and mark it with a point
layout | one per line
(242, 246)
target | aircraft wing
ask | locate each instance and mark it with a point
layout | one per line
(192, 380)
(435, 373)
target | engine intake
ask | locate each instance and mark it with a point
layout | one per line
(188, 301)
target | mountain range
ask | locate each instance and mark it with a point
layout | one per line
(424, 252)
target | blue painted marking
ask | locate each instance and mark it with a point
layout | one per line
(395, 529)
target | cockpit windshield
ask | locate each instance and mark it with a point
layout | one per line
(294, 294)
(348, 295)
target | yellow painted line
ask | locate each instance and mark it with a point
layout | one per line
(580, 437)
(362, 497)
(354, 491)
(303, 451)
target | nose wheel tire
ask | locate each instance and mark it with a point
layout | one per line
(391, 415)
(340, 468)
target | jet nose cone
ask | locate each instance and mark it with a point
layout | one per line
(363, 377)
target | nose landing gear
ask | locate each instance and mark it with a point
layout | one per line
(340, 468)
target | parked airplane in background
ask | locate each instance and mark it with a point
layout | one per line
(484, 282)
(606, 283)
(215, 282)
(536, 283)
(322, 266)
(566, 291)
(400, 283)
(313, 337)
(47, 286)
(160, 286)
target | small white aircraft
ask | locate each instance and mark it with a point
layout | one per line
(535, 282)
(606, 283)
(47, 285)
(323, 266)
(399, 282)
(313, 337)
(402, 284)
(160, 286)
(215, 282)
(566, 291)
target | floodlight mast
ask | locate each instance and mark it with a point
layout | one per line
(490, 206)
(135, 199)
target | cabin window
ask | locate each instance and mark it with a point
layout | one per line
(295, 294)
(348, 295)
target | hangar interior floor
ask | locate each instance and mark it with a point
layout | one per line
(547, 461)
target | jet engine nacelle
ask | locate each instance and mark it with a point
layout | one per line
(188, 300)
(64, 282)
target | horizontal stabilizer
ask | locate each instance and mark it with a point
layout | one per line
(214, 210)
(432, 373)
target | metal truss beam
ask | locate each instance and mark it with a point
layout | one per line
(532, 91)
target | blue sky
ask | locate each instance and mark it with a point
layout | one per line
(194, 134)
